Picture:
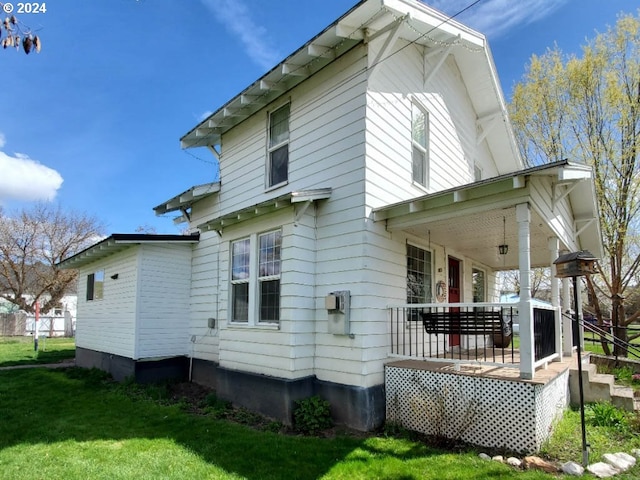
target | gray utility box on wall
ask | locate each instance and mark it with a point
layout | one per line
(338, 305)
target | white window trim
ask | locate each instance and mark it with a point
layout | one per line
(433, 276)
(415, 101)
(253, 321)
(93, 296)
(275, 147)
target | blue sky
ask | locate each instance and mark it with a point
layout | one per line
(94, 120)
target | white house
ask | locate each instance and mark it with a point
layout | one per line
(366, 180)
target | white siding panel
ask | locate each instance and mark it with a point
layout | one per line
(108, 325)
(205, 299)
(163, 306)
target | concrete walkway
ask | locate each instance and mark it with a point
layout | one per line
(65, 364)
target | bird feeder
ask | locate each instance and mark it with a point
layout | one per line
(575, 264)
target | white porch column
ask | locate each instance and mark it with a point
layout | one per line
(525, 313)
(554, 248)
(567, 319)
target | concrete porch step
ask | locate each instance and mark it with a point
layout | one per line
(599, 387)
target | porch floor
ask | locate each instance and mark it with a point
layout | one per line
(543, 374)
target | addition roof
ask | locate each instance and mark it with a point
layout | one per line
(121, 241)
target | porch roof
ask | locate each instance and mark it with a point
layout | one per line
(187, 198)
(474, 219)
(121, 241)
(304, 198)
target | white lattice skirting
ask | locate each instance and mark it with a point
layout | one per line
(514, 415)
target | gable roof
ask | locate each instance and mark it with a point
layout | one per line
(366, 21)
(121, 241)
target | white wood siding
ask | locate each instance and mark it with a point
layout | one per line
(334, 246)
(326, 140)
(108, 324)
(163, 300)
(205, 298)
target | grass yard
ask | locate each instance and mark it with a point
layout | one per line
(72, 424)
(20, 351)
(77, 424)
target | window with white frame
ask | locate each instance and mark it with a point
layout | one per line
(95, 285)
(278, 166)
(478, 284)
(420, 144)
(255, 278)
(419, 275)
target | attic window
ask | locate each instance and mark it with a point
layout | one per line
(278, 167)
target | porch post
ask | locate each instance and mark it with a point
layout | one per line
(554, 247)
(579, 310)
(527, 352)
(567, 322)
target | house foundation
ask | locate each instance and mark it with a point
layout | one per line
(490, 411)
(358, 408)
(143, 371)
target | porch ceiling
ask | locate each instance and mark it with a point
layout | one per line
(477, 236)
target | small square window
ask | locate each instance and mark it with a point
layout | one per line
(95, 285)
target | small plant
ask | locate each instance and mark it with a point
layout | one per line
(604, 414)
(312, 414)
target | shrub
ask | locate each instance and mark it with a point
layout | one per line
(312, 415)
(604, 414)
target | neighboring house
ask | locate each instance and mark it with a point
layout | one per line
(59, 321)
(372, 172)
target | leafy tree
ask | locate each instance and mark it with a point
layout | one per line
(32, 242)
(588, 109)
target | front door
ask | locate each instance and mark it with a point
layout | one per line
(454, 297)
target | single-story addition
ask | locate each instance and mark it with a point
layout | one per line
(370, 189)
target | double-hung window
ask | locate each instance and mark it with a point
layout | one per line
(278, 162)
(419, 144)
(255, 278)
(95, 285)
(419, 276)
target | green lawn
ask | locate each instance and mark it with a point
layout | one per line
(77, 424)
(70, 424)
(20, 350)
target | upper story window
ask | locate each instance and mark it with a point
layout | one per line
(420, 144)
(255, 278)
(95, 285)
(278, 166)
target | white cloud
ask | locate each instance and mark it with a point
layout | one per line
(494, 18)
(236, 18)
(204, 115)
(26, 179)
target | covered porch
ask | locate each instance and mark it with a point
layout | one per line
(456, 370)
(517, 221)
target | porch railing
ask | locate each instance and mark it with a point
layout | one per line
(544, 333)
(458, 332)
